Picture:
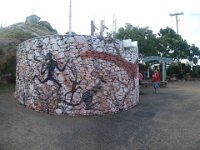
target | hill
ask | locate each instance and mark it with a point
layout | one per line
(13, 35)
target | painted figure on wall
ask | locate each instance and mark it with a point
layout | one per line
(87, 96)
(50, 65)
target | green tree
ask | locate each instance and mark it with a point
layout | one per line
(194, 55)
(195, 60)
(147, 41)
(172, 45)
(195, 50)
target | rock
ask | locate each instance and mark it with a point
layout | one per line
(55, 47)
(50, 82)
(61, 78)
(58, 111)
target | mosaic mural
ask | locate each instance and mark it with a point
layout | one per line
(78, 75)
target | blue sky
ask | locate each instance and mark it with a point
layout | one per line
(142, 13)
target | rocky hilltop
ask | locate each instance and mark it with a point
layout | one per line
(14, 34)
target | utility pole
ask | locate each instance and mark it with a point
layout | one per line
(70, 17)
(176, 14)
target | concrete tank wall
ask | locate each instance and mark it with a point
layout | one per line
(78, 75)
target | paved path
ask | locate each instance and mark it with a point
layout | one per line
(169, 120)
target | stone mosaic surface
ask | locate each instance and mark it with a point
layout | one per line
(79, 75)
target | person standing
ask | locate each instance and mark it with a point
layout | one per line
(155, 81)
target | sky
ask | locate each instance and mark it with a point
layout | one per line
(142, 13)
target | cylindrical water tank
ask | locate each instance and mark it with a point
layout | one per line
(78, 75)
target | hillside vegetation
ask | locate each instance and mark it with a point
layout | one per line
(12, 36)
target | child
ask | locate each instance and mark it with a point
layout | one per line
(155, 81)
